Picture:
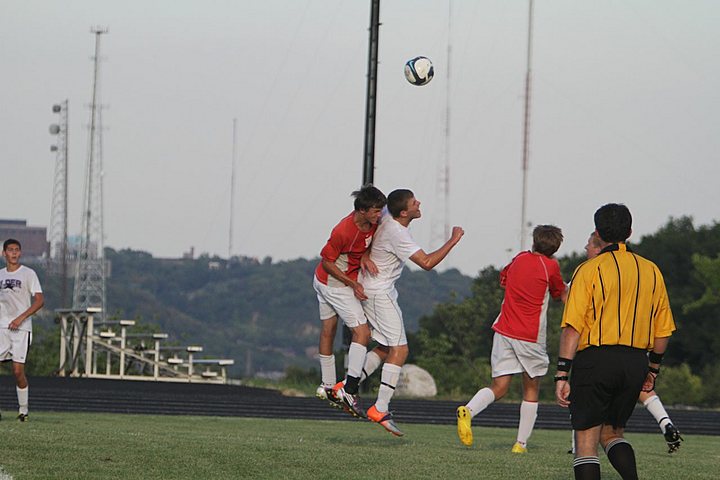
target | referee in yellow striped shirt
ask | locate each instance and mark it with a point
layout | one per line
(616, 312)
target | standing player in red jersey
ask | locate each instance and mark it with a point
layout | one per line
(339, 294)
(520, 330)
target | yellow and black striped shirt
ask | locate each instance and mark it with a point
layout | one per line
(618, 298)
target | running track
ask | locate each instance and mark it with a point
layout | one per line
(158, 398)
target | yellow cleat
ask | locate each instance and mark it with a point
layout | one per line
(518, 448)
(464, 426)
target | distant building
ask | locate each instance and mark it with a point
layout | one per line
(33, 239)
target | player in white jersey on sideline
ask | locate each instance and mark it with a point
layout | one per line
(392, 246)
(20, 297)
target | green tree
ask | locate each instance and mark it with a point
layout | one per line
(455, 340)
(679, 386)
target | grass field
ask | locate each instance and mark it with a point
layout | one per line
(84, 446)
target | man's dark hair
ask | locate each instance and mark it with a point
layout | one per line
(613, 222)
(11, 241)
(398, 200)
(547, 239)
(368, 197)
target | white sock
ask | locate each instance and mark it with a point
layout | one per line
(388, 382)
(356, 359)
(22, 395)
(528, 414)
(372, 362)
(656, 408)
(327, 370)
(482, 399)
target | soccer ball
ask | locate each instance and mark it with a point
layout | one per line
(419, 71)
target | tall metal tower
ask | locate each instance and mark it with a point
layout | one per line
(58, 233)
(526, 131)
(440, 227)
(90, 273)
(232, 189)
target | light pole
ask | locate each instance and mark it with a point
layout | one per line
(59, 217)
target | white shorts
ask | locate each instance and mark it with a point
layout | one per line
(340, 301)
(385, 317)
(511, 356)
(14, 345)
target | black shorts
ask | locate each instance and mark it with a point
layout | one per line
(605, 385)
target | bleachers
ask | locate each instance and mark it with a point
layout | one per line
(93, 348)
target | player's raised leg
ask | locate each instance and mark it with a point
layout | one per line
(653, 405)
(479, 402)
(379, 413)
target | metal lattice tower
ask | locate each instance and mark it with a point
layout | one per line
(58, 233)
(440, 227)
(90, 272)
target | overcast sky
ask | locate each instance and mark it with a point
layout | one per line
(625, 109)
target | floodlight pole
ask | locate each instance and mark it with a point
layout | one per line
(371, 97)
(370, 110)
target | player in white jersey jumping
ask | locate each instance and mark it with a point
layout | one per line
(392, 246)
(20, 297)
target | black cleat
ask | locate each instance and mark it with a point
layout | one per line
(22, 417)
(672, 437)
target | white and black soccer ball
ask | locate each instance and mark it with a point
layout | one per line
(419, 71)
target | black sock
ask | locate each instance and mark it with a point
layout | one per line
(351, 385)
(622, 457)
(587, 468)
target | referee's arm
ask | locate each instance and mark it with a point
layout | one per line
(659, 347)
(569, 338)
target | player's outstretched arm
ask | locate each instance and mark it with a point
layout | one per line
(428, 261)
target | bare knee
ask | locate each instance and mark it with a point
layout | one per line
(361, 334)
(609, 433)
(398, 355)
(586, 442)
(382, 351)
(20, 378)
(500, 386)
(327, 336)
(531, 388)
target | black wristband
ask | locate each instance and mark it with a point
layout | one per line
(560, 378)
(564, 364)
(655, 357)
(656, 371)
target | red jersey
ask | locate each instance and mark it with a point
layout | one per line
(528, 280)
(345, 248)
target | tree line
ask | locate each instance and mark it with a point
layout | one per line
(454, 341)
(264, 314)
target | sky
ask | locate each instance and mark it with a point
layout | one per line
(624, 108)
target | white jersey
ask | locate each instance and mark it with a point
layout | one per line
(392, 246)
(16, 291)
